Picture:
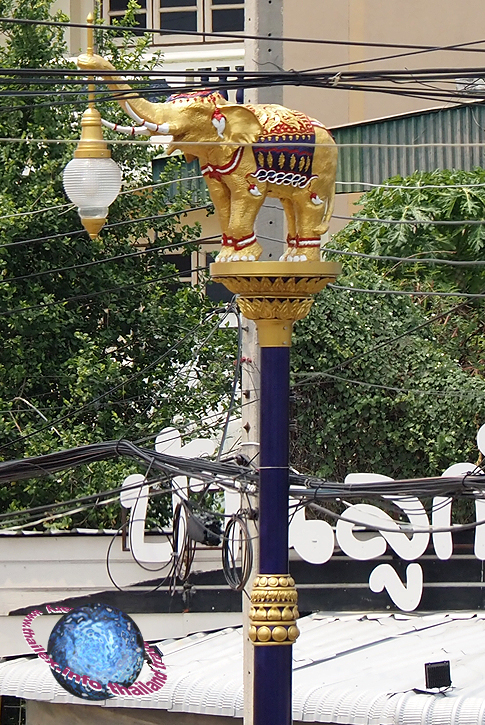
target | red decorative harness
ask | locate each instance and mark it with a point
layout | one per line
(217, 172)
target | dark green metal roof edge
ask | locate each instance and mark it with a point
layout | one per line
(445, 137)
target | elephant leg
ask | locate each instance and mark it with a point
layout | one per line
(221, 197)
(291, 223)
(244, 209)
(310, 211)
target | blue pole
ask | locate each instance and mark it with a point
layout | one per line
(275, 295)
(272, 661)
(274, 454)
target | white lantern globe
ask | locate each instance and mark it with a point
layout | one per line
(92, 184)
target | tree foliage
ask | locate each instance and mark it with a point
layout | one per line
(98, 340)
(439, 196)
(368, 396)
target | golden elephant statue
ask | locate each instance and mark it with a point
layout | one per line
(246, 153)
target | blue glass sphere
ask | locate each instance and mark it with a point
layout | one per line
(99, 644)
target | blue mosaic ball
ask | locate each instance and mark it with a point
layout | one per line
(94, 645)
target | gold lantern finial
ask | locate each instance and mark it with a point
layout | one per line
(97, 193)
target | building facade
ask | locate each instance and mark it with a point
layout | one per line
(415, 25)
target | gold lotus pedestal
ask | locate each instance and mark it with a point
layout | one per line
(274, 295)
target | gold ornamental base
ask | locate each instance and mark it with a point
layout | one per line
(274, 610)
(93, 225)
(275, 294)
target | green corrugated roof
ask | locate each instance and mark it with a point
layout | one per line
(376, 150)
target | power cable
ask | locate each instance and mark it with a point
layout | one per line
(386, 258)
(194, 352)
(435, 393)
(63, 235)
(86, 406)
(236, 541)
(90, 295)
(412, 92)
(116, 258)
(388, 341)
(415, 222)
(224, 474)
(435, 261)
(234, 36)
(455, 46)
(405, 187)
(411, 293)
(235, 382)
(408, 528)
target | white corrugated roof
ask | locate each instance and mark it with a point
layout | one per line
(357, 669)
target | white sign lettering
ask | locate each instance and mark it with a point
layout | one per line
(314, 540)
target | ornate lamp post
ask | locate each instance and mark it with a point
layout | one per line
(92, 180)
(275, 295)
(266, 150)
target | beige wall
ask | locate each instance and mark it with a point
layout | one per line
(77, 10)
(422, 22)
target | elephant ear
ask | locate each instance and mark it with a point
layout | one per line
(241, 124)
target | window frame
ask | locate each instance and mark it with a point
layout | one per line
(179, 38)
(203, 10)
(210, 6)
(147, 11)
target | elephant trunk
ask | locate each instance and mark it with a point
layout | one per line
(128, 99)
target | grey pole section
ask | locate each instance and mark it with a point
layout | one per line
(265, 18)
(262, 17)
(250, 437)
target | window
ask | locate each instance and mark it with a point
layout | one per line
(227, 16)
(12, 710)
(182, 17)
(179, 15)
(117, 9)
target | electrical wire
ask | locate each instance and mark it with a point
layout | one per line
(416, 259)
(112, 225)
(116, 258)
(395, 56)
(70, 206)
(220, 474)
(294, 78)
(408, 528)
(411, 293)
(202, 344)
(435, 393)
(389, 341)
(90, 295)
(237, 35)
(405, 187)
(237, 371)
(53, 517)
(138, 593)
(236, 544)
(183, 545)
(416, 222)
(86, 406)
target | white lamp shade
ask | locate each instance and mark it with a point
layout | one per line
(92, 184)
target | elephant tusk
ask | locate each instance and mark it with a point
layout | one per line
(162, 128)
(131, 130)
(132, 114)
